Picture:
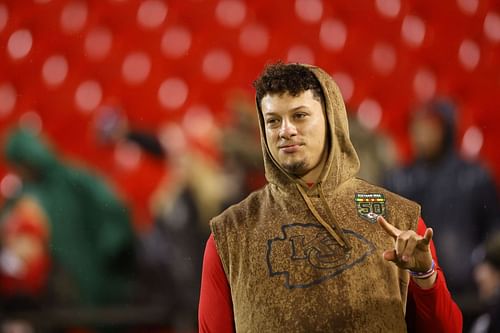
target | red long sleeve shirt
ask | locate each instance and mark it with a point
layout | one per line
(430, 310)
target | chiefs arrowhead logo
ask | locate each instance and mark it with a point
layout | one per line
(306, 254)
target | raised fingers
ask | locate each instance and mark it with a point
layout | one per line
(409, 249)
(390, 255)
(428, 236)
(388, 228)
(400, 246)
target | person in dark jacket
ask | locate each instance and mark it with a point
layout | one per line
(458, 196)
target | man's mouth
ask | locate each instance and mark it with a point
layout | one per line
(289, 148)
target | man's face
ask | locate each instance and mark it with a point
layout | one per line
(487, 279)
(296, 132)
(427, 135)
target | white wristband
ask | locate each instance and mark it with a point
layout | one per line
(424, 275)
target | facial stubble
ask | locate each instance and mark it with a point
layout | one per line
(298, 168)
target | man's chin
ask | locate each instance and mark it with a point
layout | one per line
(295, 168)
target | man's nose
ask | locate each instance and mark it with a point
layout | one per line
(287, 129)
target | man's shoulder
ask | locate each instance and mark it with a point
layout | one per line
(237, 220)
(360, 186)
(372, 198)
(248, 206)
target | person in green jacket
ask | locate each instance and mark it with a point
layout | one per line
(91, 237)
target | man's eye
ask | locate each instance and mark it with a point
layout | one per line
(272, 121)
(300, 115)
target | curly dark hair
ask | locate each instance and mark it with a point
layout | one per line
(280, 78)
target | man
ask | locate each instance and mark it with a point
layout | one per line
(306, 252)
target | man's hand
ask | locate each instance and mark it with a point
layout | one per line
(411, 251)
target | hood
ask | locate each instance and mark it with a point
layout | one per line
(444, 109)
(25, 149)
(342, 161)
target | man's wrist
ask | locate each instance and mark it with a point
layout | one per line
(425, 280)
(424, 275)
(426, 283)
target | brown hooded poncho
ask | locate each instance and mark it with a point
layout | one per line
(309, 259)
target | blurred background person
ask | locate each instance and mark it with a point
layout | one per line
(196, 186)
(376, 151)
(77, 218)
(172, 250)
(242, 164)
(487, 278)
(112, 126)
(458, 196)
(24, 262)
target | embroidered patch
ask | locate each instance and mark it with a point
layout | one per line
(370, 205)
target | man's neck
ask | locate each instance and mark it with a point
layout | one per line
(313, 175)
